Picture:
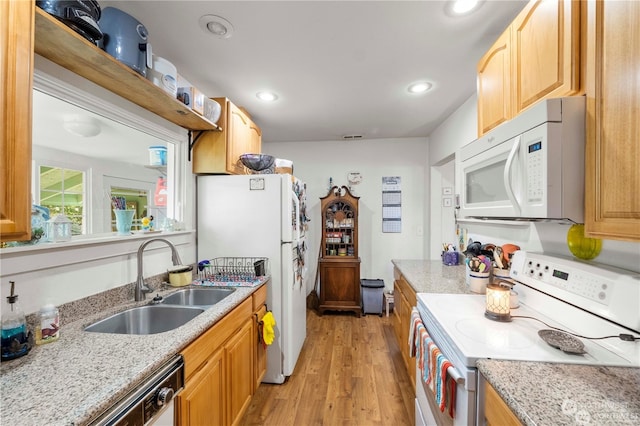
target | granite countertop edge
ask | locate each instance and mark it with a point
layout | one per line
(540, 393)
(100, 368)
(432, 276)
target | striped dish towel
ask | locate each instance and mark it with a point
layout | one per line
(435, 376)
(415, 322)
(432, 364)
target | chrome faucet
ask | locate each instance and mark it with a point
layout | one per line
(141, 288)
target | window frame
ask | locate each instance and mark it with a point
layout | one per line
(64, 84)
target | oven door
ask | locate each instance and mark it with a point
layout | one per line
(467, 409)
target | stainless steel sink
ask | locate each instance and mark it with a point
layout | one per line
(150, 319)
(197, 296)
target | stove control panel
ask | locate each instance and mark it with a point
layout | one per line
(596, 288)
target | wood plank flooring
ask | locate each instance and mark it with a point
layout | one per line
(350, 373)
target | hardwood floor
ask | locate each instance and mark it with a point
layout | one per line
(350, 372)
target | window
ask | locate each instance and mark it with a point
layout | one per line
(62, 190)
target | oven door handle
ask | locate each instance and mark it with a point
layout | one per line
(455, 375)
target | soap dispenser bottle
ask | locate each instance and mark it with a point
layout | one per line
(15, 336)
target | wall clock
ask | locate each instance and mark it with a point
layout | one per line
(354, 178)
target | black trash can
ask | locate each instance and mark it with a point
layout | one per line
(371, 295)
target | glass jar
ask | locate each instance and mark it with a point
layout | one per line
(48, 328)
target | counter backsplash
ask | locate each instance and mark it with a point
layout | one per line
(77, 309)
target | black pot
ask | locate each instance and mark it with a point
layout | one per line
(82, 16)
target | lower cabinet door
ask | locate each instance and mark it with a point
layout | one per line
(202, 401)
(238, 357)
(260, 365)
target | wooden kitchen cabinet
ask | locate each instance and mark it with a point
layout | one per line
(496, 411)
(259, 311)
(612, 204)
(239, 352)
(219, 364)
(494, 84)
(202, 401)
(339, 264)
(16, 81)
(537, 57)
(219, 152)
(404, 300)
(545, 42)
(339, 285)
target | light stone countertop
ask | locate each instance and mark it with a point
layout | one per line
(560, 394)
(542, 393)
(75, 379)
(431, 276)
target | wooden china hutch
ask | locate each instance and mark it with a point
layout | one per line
(339, 263)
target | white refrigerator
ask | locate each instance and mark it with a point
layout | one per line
(262, 216)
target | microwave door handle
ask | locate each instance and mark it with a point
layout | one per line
(507, 176)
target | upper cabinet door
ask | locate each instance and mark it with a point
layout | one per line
(546, 51)
(494, 92)
(240, 139)
(16, 82)
(219, 152)
(613, 107)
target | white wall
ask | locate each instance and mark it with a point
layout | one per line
(315, 162)
(459, 129)
(456, 131)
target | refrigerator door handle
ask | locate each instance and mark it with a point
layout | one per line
(295, 217)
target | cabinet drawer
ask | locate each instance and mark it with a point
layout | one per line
(259, 297)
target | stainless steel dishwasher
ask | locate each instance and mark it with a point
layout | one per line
(151, 402)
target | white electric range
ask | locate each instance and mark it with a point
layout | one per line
(579, 297)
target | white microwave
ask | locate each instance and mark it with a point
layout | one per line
(528, 168)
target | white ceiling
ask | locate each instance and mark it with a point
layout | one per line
(339, 67)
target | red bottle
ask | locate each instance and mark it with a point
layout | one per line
(160, 198)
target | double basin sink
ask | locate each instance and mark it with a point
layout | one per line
(173, 311)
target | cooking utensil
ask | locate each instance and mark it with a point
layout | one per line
(507, 252)
(497, 257)
(474, 263)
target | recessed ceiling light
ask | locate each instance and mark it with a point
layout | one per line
(462, 7)
(216, 25)
(419, 87)
(267, 96)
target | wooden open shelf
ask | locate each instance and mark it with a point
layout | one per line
(60, 44)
